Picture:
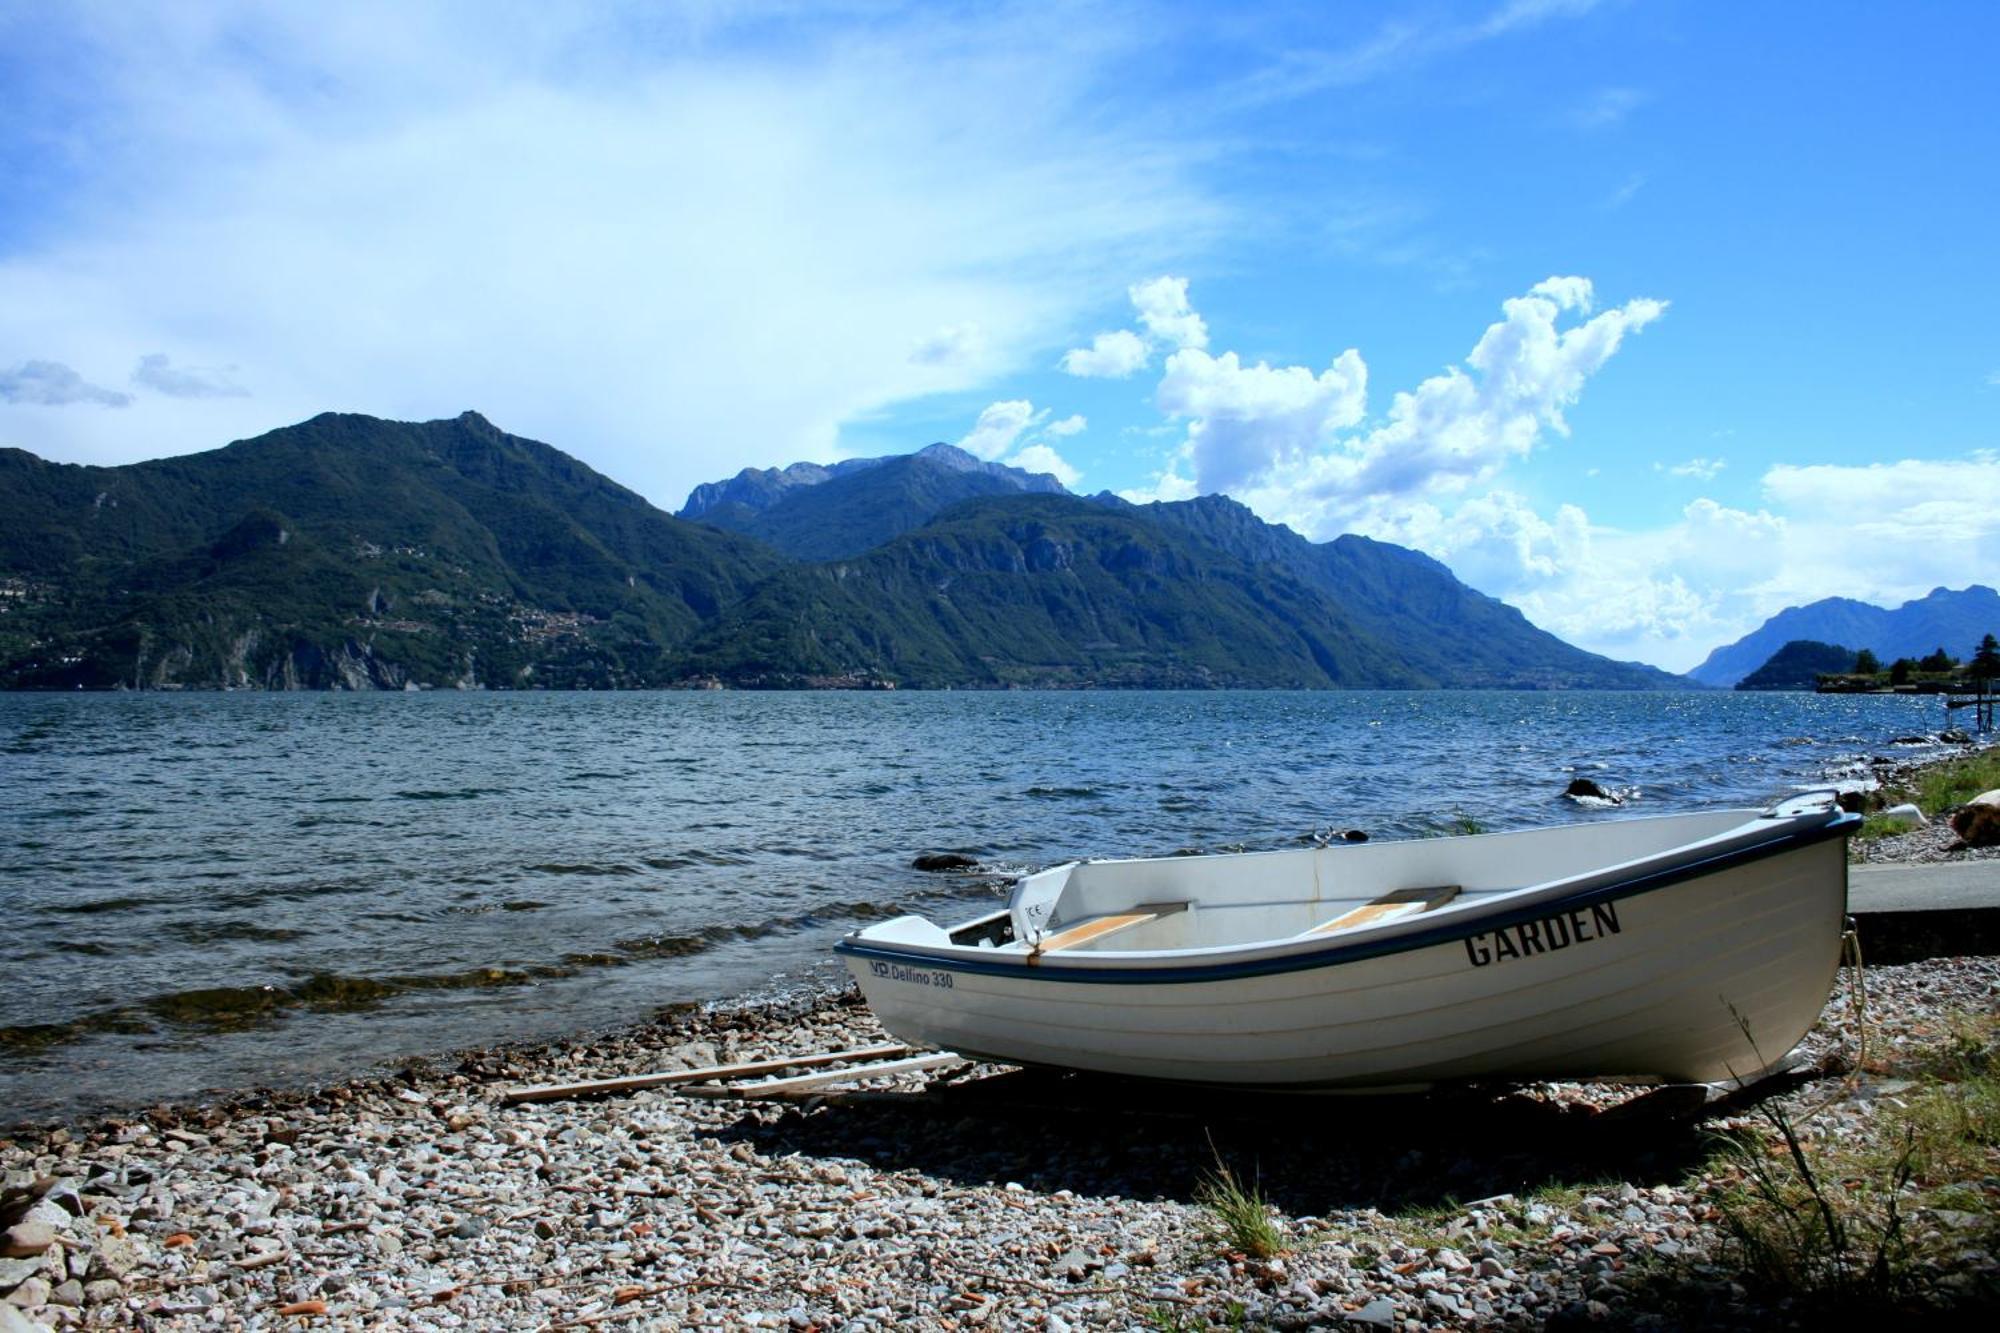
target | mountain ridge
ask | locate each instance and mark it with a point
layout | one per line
(1941, 618)
(351, 552)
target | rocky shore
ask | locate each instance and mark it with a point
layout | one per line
(1007, 1201)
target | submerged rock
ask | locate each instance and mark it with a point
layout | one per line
(936, 861)
(1583, 789)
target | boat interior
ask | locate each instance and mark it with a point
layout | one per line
(1173, 903)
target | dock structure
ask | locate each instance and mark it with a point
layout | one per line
(1981, 704)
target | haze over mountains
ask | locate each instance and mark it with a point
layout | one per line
(1944, 619)
(359, 553)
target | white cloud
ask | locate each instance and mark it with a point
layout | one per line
(1043, 458)
(1168, 320)
(1568, 293)
(1246, 421)
(1454, 430)
(1110, 356)
(156, 372)
(646, 235)
(1883, 534)
(1701, 469)
(1162, 306)
(999, 426)
(1069, 425)
(53, 384)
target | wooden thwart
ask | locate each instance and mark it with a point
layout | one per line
(556, 1092)
(1403, 902)
(1097, 927)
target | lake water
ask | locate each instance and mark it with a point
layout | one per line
(222, 890)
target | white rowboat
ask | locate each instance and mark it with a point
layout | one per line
(1692, 948)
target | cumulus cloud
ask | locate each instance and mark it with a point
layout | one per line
(999, 426)
(53, 384)
(1244, 422)
(157, 372)
(1069, 425)
(1162, 306)
(1883, 533)
(1044, 458)
(1454, 430)
(1167, 319)
(1112, 356)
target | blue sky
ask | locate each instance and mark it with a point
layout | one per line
(1650, 318)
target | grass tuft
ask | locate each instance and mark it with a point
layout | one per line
(1239, 1217)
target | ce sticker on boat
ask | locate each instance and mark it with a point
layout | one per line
(1575, 926)
(915, 976)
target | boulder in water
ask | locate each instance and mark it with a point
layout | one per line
(936, 861)
(1583, 789)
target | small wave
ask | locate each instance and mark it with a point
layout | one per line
(1065, 793)
(582, 868)
(218, 932)
(457, 794)
(100, 906)
(694, 858)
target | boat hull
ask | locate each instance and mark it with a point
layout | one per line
(1711, 977)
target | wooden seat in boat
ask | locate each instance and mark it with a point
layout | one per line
(1097, 927)
(1402, 902)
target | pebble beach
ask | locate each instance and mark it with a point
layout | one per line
(971, 1197)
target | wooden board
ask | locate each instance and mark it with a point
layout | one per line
(1403, 902)
(560, 1091)
(784, 1087)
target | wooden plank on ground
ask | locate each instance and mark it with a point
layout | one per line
(784, 1087)
(555, 1092)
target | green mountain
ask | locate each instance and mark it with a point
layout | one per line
(1047, 590)
(1444, 631)
(814, 513)
(348, 552)
(351, 551)
(1798, 666)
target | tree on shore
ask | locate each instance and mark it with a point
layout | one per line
(1899, 671)
(1867, 664)
(1938, 661)
(1986, 660)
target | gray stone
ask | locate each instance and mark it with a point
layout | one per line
(13, 1272)
(1379, 1313)
(33, 1292)
(24, 1240)
(102, 1290)
(13, 1321)
(69, 1293)
(116, 1256)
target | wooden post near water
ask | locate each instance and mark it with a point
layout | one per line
(1981, 705)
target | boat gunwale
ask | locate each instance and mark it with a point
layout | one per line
(1395, 938)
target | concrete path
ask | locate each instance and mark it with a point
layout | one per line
(1924, 887)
